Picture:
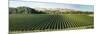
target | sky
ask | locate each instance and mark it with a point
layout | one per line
(34, 4)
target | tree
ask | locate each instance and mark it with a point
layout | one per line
(12, 10)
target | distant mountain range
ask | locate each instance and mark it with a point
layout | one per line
(53, 9)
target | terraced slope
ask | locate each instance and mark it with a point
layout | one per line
(42, 22)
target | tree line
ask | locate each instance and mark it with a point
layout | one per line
(28, 10)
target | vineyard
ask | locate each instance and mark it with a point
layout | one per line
(43, 22)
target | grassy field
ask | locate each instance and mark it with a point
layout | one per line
(41, 22)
